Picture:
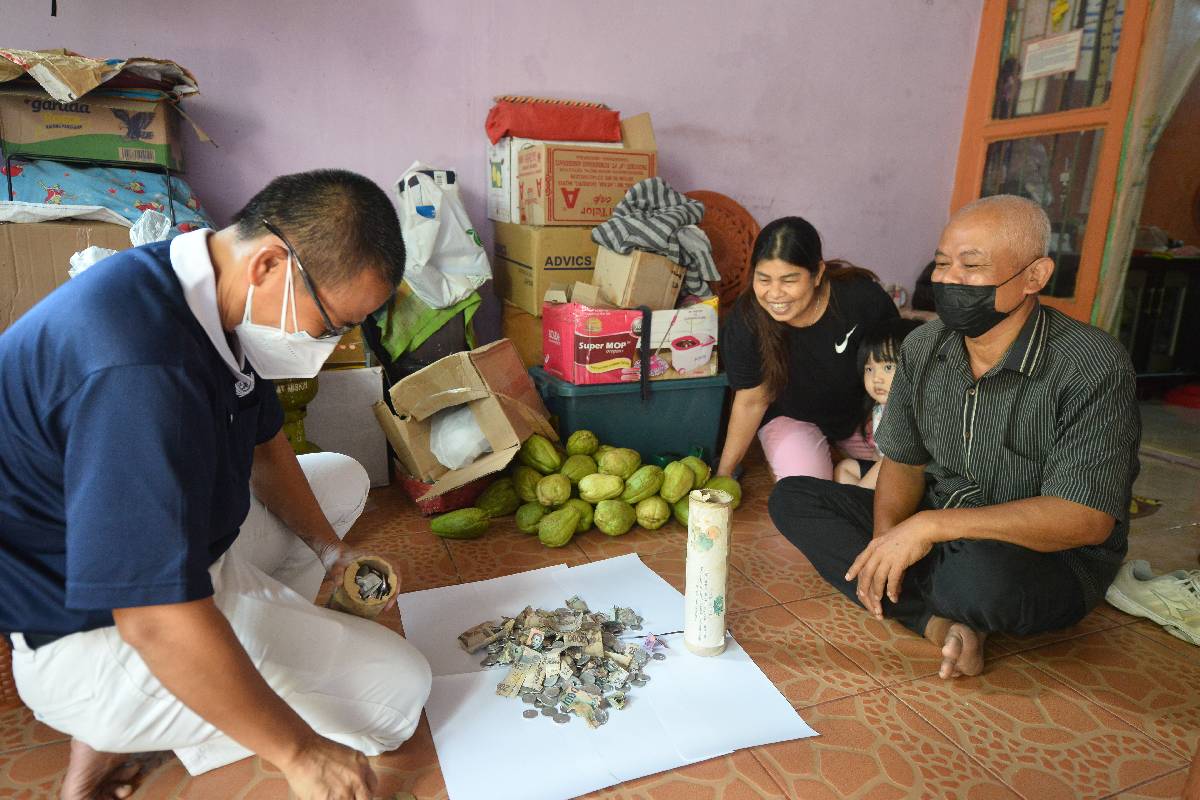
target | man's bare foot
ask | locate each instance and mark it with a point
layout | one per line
(92, 775)
(962, 652)
(962, 647)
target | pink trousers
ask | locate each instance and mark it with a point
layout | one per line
(793, 447)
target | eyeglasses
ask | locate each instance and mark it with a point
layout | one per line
(330, 331)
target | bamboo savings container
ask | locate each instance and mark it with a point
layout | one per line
(347, 598)
(709, 514)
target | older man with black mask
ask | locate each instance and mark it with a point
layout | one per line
(1010, 449)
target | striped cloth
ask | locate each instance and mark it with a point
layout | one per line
(654, 217)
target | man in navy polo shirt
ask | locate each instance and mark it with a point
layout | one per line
(160, 544)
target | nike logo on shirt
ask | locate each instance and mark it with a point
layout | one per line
(841, 348)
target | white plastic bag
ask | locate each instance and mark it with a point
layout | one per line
(151, 227)
(446, 261)
(455, 438)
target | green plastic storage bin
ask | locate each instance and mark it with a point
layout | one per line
(679, 417)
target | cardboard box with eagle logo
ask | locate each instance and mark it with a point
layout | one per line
(58, 104)
(97, 127)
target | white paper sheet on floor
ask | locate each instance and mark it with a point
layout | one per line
(694, 708)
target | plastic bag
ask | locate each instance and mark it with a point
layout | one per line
(151, 227)
(446, 261)
(455, 438)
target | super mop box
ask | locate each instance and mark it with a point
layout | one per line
(588, 345)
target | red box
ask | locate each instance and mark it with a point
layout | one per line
(462, 497)
(586, 345)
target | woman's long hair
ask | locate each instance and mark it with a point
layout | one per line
(796, 241)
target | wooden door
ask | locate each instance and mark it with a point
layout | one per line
(1046, 112)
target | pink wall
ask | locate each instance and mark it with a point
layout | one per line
(847, 112)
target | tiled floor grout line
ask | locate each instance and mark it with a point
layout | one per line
(1120, 792)
(27, 747)
(1156, 641)
(955, 744)
(1113, 712)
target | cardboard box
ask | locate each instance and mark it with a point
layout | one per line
(588, 345)
(340, 419)
(502, 397)
(637, 279)
(504, 191)
(351, 351)
(563, 184)
(96, 127)
(35, 257)
(529, 259)
(524, 330)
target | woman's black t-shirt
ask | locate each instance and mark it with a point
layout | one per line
(824, 384)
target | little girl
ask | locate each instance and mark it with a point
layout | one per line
(877, 356)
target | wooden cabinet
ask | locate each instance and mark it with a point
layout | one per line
(1160, 315)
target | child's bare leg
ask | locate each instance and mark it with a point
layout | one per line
(847, 471)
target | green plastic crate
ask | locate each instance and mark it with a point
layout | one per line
(680, 417)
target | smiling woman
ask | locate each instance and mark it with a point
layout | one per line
(791, 347)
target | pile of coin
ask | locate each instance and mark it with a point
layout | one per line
(568, 661)
(372, 584)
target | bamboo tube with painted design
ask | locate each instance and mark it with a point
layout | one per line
(709, 515)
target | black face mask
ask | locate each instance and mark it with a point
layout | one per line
(971, 310)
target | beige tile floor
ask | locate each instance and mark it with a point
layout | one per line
(1110, 707)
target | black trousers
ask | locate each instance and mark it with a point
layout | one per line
(990, 586)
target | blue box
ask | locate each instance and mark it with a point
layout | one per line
(679, 417)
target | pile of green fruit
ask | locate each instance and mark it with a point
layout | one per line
(558, 492)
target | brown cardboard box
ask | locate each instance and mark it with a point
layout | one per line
(339, 419)
(637, 279)
(35, 257)
(528, 259)
(563, 184)
(524, 330)
(502, 397)
(97, 127)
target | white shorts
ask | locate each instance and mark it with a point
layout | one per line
(354, 681)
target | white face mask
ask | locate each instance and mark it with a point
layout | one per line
(273, 352)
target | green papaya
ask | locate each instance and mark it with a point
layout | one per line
(701, 470)
(586, 512)
(678, 480)
(499, 499)
(540, 453)
(642, 484)
(597, 487)
(525, 481)
(582, 443)
(556, 528)
(614, 517)
(578, 466)
(680, 510)
(528, 517)
(466, 523)
(554, 490)
(620, 461)
(652, 513)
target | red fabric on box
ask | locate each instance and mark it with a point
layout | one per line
(553, 121)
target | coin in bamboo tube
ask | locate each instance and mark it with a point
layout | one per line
(709, 513)
(366, 587)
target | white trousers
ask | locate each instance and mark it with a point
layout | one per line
(352, 680)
